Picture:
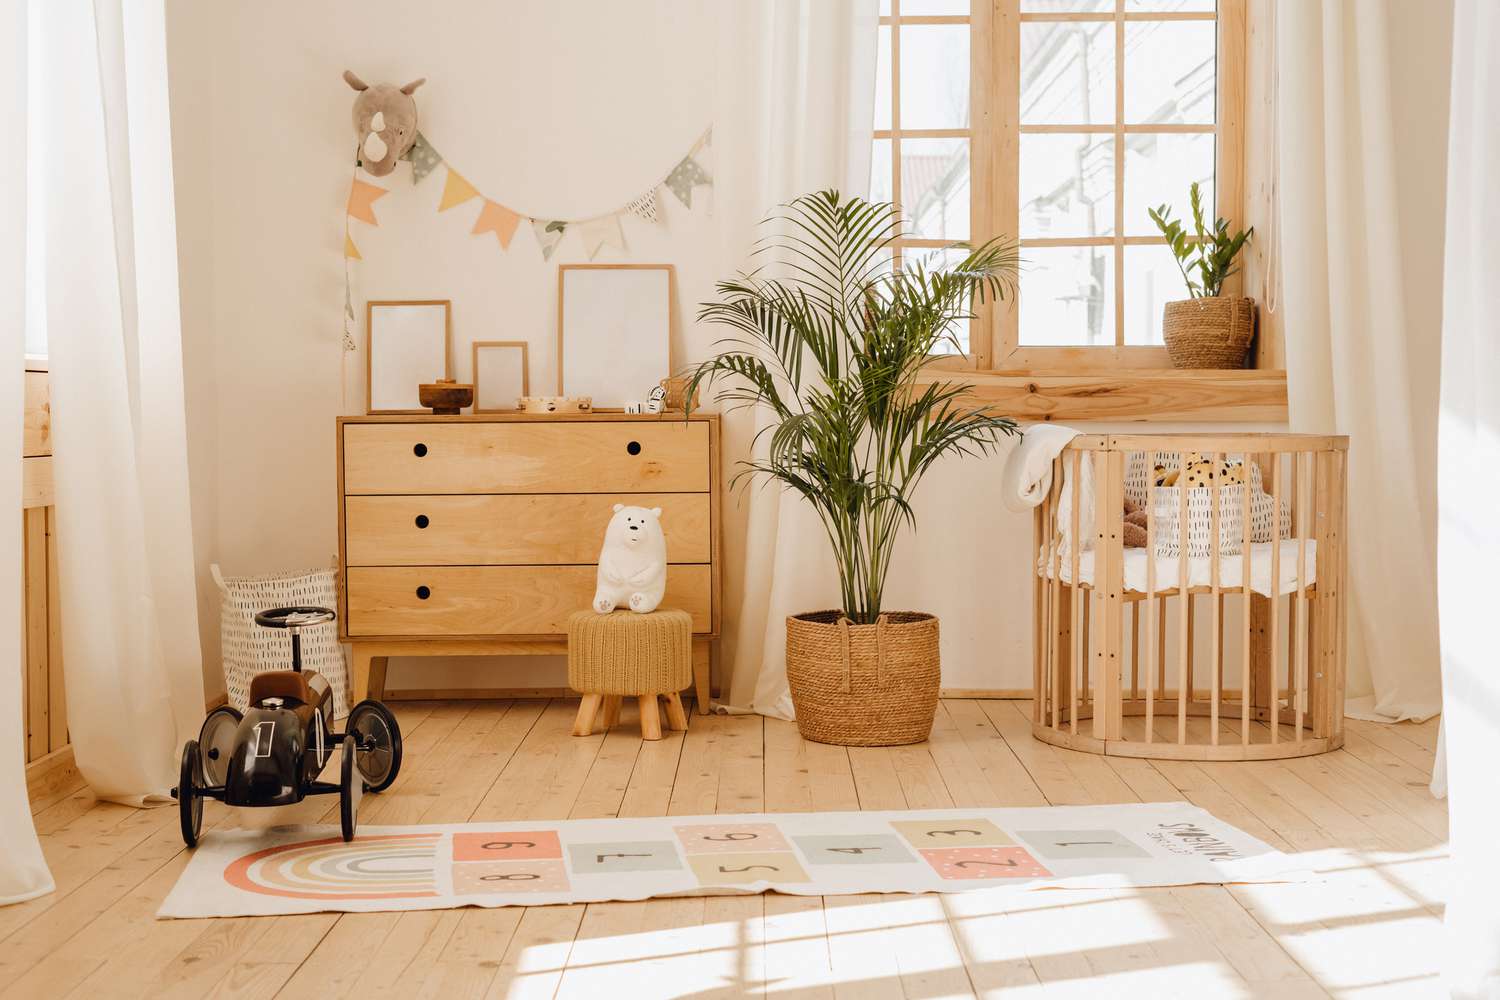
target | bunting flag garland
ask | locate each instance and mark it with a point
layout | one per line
(362, 198)
(423, 158)
(456, 191)
(496, 218)
(687, 175)
(644, 207)
(601, 232)
(549, 233)
(351, 252)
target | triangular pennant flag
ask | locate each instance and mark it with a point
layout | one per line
(684, 177)
(362, 199)
(456, 191)
(348, 299)
(350, 250)
(424, 159)
(601, 232)
(549, 233)
(496, 218)
(644, 207)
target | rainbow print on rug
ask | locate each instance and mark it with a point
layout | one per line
(304, 869)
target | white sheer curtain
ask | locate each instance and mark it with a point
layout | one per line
(795, 107)
(1468, 484)
(103, 212)
(23, 871)
(1352, 367)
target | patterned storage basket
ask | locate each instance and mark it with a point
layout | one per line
(1200, 529)
(1262, 506)
(250, 649)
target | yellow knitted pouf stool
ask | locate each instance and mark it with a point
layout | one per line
(623, 654)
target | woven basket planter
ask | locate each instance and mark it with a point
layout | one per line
(1208, 332)
(863, 685)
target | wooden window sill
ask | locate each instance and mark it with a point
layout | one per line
(1139, 394)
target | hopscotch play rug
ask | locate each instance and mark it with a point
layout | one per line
(306, 869)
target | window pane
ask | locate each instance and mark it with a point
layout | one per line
(1159, 5)
(1169, 71)
(1065, 6)
(935, 188)
(938, 260)
(883, 78)
(934, 76)
(926, 8)
(880, 170)
(1159, 169)
(1067, 296)
(1067, 185)
(1152, 279)
(1067, 73)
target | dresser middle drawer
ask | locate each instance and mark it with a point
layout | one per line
(518, 530)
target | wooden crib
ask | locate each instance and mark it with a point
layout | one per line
(1210, 657)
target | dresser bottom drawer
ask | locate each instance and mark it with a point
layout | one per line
(495, 600)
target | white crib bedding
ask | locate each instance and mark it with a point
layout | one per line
(1200, 569)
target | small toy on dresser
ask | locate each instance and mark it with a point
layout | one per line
(633, 562)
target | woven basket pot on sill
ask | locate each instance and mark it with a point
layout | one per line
(863, 685)
(1208, 332)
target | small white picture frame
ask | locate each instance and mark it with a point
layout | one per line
(501, 375)
(614, 331)
(407, 342)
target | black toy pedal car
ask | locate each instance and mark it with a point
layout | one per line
(274, 753)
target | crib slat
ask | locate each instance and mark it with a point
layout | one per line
(1273, 642)
(1218, 607)
(1185, 602)
(1303, 512)
(1245, 602)
(1054, 652)
(1074, 663)
(1153, 603)
(1135, 650)
(1109, 589)
(1040, 611)
(1341, 570)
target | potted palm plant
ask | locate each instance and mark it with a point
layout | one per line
(832, 342)
(1207, 329)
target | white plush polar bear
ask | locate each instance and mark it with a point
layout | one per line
(633, 562)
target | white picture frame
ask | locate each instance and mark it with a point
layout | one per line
(501, 375)
(407, 342)
(614, 331)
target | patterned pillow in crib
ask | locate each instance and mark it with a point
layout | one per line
(1144, 468)
(250, 649)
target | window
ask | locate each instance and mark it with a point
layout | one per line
(1084, 113)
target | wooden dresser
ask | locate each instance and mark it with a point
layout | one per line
(479, 535)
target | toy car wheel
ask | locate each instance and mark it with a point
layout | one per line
(379, 754)
(351, 787)
(216, 743)
(189, 793)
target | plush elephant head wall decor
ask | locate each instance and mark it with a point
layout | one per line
(385, 119)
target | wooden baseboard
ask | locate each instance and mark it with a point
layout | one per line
(482, 694)
(987, 694)
(52, 778)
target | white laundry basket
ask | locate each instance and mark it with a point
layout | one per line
(250, 649)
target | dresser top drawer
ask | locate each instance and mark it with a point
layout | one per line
(607, 456)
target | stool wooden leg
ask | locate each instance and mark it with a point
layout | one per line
(676, 717)
(650, 717)
(611, 710)
(700, 674)
(583, 725)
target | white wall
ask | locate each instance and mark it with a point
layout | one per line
(563, 108)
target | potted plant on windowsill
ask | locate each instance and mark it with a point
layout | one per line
(832, 346)
(1206, 330)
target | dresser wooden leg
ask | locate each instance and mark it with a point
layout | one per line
(611, 710)
(676, 717)
(650, 717)
(377, 677)
(701, 664)
(359, 675)
(583, 724)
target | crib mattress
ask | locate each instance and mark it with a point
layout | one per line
(1200, 569)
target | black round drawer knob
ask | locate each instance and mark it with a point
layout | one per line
(419, 450)
(423, 593)
(422, 521)
(633, 447)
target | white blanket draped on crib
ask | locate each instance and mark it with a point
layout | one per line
(1200, 569)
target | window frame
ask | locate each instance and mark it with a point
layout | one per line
(994, 154)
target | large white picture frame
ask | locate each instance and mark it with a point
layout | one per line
(614, 331)
(407, 342)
